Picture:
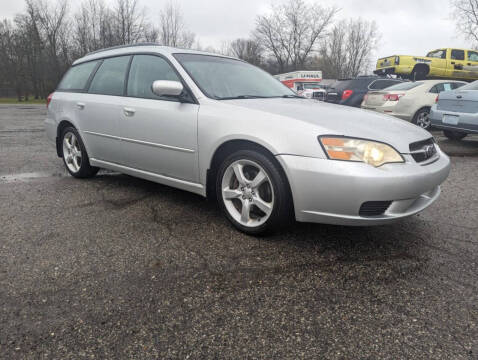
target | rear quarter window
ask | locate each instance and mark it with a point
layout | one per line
(77, 77)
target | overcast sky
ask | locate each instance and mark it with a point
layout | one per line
(407, 27)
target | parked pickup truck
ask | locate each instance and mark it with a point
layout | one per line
(438, 64)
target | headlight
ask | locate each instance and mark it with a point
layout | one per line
(349, 149)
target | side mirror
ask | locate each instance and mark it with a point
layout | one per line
(167, 88)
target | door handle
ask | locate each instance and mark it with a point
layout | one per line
(129, 111)
(80, 106)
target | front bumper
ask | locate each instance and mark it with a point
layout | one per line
(332, 192)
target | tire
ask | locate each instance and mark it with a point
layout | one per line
(76, 159)
(422, 119)
(417, 75)
(251, 208)
(454, 135)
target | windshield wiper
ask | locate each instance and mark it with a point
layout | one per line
(241, 97)
(293, 97)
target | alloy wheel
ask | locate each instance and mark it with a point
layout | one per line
(72, 152)
(423, 120)
(247, 193)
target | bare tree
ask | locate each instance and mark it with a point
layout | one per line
(248, 50)
(347, 50)
(465, 13)
(173, 31)
(292, 31)
(129, 21)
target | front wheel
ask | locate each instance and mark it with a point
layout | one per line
(74, 154)
(454, 135)
(253, 193)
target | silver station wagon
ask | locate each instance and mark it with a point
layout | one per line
(222, 128)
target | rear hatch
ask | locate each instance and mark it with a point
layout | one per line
(334, 94)
(465, 101)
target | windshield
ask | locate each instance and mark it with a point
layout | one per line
(405, 86)
(470, 86)
(311, 85)
(223, 78)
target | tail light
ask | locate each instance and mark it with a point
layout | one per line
(346, 94)
(48, 99)
(392, 97)
(365, 98)
(436, 100)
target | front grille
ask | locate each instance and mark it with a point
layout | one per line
(374, 208)
(423, 150)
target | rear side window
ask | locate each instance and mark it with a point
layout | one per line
(77, 77)
(382, 84)
(110, 77)
(146, 69)
(456, 85)
(438, 88)
(458, 54)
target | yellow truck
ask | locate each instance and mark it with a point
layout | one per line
(450, 64)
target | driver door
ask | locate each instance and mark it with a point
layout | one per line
(159, 134)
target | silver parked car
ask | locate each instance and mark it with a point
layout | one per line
(219, 127)
(456, 112)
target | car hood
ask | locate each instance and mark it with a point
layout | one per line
(330, 119)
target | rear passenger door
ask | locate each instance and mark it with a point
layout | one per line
(102, 109)
(457, 63)
(159, 133)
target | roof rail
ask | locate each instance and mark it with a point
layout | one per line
(124, 46)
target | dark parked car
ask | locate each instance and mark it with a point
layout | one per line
(351, 92)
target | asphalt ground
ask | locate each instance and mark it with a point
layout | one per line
(115, 267)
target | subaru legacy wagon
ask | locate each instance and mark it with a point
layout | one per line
(222, 128)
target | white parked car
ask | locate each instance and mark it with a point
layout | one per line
(409, 101)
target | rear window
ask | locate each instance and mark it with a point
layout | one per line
(77, 77)
(110, 77)
(382, 84)
(405, 86)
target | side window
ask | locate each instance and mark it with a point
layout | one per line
(146, 69)
(438, 88)
(77, 77)
(472, 56)
(456, 85)
(447, 87)
(458, 54)
(110, 77)
(439, 54)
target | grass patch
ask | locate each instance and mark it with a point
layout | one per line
(15, 101)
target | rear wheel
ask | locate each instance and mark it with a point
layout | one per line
(75, 156)
(454, 135)
(253, 192)
(422, 118)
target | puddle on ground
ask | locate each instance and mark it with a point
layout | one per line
(28, 176)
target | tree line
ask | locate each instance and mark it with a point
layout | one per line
(40, 44)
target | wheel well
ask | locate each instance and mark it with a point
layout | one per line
(62, 125)
(228, 148)
(422, 108)
(421, 68)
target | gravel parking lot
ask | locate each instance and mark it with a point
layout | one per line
(117, 267)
